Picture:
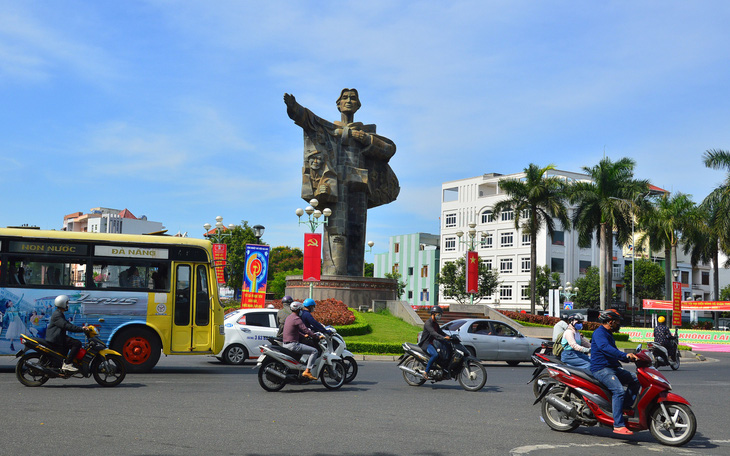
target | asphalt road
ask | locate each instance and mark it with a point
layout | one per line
(195, 405)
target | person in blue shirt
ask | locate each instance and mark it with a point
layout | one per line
(606, 367)
(310, 322)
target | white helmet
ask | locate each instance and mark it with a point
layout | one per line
(295, 306)
(62, 302)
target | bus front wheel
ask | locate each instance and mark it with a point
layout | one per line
(140, 349)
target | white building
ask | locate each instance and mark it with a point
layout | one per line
(106, 220)
(507, 249)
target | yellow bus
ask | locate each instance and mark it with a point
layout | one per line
(150, 294)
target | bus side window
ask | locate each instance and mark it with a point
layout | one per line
(202, 299)
(182, 296)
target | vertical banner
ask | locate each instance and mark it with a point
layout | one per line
(219, 259)
(312, 257)
(254, 276)
(472, 272)
(676, 303)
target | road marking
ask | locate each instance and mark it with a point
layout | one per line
(527, 449)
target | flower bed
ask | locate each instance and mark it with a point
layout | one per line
(544, 319)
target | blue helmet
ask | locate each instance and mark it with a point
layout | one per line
(309, 302)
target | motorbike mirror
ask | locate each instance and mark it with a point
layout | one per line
(638, 348)
(101, 320)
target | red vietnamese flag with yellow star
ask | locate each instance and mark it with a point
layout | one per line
(312, 270)
(472, 272)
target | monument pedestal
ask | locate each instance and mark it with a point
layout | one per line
(353, 291)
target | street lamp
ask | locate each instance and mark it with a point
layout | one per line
(368, 250)
(258, 231)
(568, 292)
(470, 245)
(313, 221)
(220, 231)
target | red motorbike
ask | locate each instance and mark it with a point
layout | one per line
(572, 397)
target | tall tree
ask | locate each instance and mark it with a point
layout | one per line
(453, 280)
(664, 222)
(600, 212)
(285, 259)
(545, 280)
(649, 283)
(537, 200)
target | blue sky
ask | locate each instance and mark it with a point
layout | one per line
(174, 110)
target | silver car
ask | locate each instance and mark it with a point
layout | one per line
(492, 340)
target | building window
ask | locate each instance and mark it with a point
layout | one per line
(396, 247)
(506, 239)
(424, 271)
(526, 239)
(410, 271)
(424, 295)
(396, 268)
(583, 266)
(450, 220)
(685, 277)
(487, 241)
(487, 216)
(557, 265)
(487, 263)
(505, 265)
(525, 292)
(505, 292)
(449, 244)
(559, 238)
(410, 294)
(525, 214)
(508, 215)
(525, 264)
(705, 278)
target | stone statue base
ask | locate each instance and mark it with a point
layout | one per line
(353, 291)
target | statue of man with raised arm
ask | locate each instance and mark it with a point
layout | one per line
(345, 167)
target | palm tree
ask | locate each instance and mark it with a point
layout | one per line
(702, 240)
(540, 199)
(720, 197)
(663, 223)
(599, 211)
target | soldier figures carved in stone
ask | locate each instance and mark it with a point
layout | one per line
(345, 166)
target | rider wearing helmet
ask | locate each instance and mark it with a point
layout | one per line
(56, 333)
(432, 332)
(306, 316)
(606, 367)
(284, 312)
(295, 331)
(663, 336)
(575, 347)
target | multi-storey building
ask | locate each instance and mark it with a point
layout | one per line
(106, 220)
(416, 258)
(507, 249)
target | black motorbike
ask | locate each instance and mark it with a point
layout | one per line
(40, 361)
(454, 362)
(665, 357)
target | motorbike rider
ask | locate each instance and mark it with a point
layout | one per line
(308, 307)
(294, 333)
(663, 337)
(56, 333)
(559, 327)
(432, 332)
(606, 368)
(284, 312)
(575, 347)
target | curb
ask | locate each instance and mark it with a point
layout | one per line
(685, 359)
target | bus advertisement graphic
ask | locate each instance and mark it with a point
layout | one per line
(254, 276)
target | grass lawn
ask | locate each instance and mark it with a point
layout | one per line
(386, 328)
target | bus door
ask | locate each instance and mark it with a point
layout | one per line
(191, 314)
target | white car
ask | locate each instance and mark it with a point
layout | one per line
(246, 330)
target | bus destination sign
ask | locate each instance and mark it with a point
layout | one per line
(130, 252)
(48, 248)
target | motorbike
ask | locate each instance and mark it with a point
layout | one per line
(278, 366)
(662, 356)
(40, 361)
(575, 398)
(454, 362)
(340, 349)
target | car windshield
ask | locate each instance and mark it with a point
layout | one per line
(453, 325)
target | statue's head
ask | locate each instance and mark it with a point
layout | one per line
(315, 160)
(349, 101)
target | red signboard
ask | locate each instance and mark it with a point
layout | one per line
(715, 306)
(472, 272)
(312, 269)
(676, 303)
(219, 258)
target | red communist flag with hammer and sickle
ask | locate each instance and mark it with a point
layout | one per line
(312, 257)
(472, 272)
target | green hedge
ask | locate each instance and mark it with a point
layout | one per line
(617, 336)
(358, 328)
(375, 348)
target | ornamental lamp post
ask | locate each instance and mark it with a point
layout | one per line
(313, 222)
(368, 250)
(258, 232)
(470, 245)
(219, 247)
(568, 292)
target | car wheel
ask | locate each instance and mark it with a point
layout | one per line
(513, 363)
(235, 354)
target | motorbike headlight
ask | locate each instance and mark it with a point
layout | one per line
(659, 379)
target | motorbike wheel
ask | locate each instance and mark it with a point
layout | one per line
(110, 371)
(414, 380)
(28, 370)
(675, 428)
(675, 364)
(271, 382)
(554, 418)
(473, 376)
(333, 376)
(350, 368)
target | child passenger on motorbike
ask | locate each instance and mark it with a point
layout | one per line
(56, 333)
(432, 332)
(295, 331)
(575, 347)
